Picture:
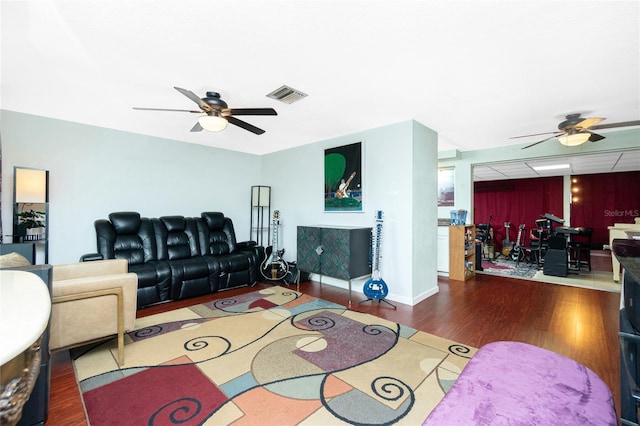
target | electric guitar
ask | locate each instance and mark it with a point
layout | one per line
(375, 288)
(274, 267)
(507, 245)
(341, 192)
(516, 252)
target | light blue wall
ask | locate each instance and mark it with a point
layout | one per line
(424, 212)
(95, 171)
(400, 174)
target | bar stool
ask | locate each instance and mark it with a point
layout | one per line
(540, 238)
(534, 251)
(541, 245)
(580, 248)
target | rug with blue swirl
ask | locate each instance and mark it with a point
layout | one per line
(270, 357)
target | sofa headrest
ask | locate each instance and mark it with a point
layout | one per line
(125, 222)
(214, 220)
(174, 223)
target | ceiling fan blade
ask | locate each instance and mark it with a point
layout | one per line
(620, 124)
(535, 134)
(196, 127)
(588, 122)
(244, 125)
(544, 140)
(594, 136)
(250, 111)
(166, 109)
(189, 94)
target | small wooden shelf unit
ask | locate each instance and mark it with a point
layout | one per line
(462, 252)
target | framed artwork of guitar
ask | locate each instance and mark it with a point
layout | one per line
(343, 183)
(274, 267)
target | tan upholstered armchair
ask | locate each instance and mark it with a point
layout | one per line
(92, 301)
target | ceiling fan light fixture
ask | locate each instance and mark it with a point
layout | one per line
(574, 139)
(551, 167)
(213, 123)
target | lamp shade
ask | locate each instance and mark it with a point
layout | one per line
(261, 196)
(213, 123)
(30, 185)
(574, 139)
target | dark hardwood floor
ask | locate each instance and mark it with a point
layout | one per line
(579, 323)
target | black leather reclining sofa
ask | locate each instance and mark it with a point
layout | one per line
(177, 257)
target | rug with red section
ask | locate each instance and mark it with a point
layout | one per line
(164, 395)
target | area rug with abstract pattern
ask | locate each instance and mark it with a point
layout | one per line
(269, 357)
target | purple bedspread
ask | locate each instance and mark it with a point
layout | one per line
(512, 383)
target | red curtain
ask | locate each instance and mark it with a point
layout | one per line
(600, 200)
(519, 201)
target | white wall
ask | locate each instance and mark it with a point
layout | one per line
(96, 171)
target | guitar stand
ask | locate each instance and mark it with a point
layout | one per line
(380, 300)
(284, 280)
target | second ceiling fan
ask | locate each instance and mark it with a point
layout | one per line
(218, 114)
(576, 130)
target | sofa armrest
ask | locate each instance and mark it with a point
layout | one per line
(91, 257)
(89, 308)
(115, 291)
(245, 244)
(90, 269)
(128, 282)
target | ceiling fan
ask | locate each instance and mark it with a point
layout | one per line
(217, 113)
(576, 130)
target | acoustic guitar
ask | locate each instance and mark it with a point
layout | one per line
(507, 245)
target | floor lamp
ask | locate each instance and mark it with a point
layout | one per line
(260, 214)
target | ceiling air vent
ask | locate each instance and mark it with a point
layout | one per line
(286, 94)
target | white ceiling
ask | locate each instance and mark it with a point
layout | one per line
(477, 72)
(626, 161)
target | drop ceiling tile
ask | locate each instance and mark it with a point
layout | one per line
(579, 164)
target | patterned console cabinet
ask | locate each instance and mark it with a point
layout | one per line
(338, 251)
